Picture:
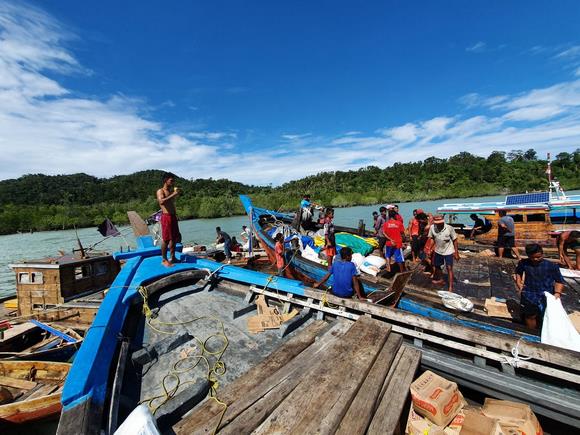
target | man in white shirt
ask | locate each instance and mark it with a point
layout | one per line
(446, 249)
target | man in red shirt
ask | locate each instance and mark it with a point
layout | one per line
(394, 231)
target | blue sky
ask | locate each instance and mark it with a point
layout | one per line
(265, 92)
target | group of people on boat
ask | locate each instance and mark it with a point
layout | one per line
(435, 243)
(432, 241)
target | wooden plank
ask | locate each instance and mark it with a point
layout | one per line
(21, 384)
(388, 414)
(445, 328)
(385, 384)
(554, 355)
(233, 392)
(482, 352)
(266, 395)
(330, 386)
(309, 304)
(44, 390)
(175, 278)
(361, 410)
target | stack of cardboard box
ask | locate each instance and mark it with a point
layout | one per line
(438, 408)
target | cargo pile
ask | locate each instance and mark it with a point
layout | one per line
(438, 408)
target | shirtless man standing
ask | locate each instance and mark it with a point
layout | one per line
(169, 229)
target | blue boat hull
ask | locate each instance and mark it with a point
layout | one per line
(309, 271)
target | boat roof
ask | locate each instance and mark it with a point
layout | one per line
(58, 261)
(540, 201)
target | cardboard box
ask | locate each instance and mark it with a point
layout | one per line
(496, 308)
(475, 423)
(514, 418)
(417, 425)
(436, 398)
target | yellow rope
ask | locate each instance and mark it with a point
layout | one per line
(213, 372)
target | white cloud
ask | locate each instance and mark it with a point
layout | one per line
(569, 53)
(478, 47)
(47, 128)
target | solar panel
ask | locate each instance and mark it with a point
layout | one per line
(527, 198)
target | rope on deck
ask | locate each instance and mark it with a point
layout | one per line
(181, 366)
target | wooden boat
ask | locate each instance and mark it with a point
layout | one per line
(37, 341)
(106, 374)
(30, 390)
(538, 216)
(477, 278)
(100, 385)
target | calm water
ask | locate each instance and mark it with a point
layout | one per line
(17, 247)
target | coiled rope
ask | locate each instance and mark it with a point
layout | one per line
(188, 362)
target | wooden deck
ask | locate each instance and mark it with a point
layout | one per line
(348, 377)
(479, 278)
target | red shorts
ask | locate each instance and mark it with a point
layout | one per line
(169, 228)
(330, 252)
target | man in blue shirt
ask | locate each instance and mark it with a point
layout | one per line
(534, 276)
(344, 276)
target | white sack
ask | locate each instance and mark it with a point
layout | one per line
(139, 422)
(358, 259)
(375, 260)
(557, 329)
(310, 254)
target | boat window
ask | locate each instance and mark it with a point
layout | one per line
(538, 217)
(36, 277)
(101, 268)
(24, 278)
(83, 271)
(517, 217)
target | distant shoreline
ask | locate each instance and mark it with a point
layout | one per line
(361, 204)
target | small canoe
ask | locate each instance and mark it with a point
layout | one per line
(30, 390)
(37, 341)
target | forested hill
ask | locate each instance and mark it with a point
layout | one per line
(42, 202)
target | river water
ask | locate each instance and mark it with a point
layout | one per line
(17, 247)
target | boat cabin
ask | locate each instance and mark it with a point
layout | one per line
(538, 216)
(530, 225)
(45, 283)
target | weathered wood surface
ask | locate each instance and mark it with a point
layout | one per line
(319, 402)
(325, 379)
(256, 375)
(387, 417)
(362, 408)
(564, 358)
(21, 384)
(280, 383)
(162, 283)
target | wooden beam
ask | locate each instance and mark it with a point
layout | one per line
(261, 400)
(325, 392)
(554, 355)
(21, 384)
(387, 417)
(452, 333)
(233, 392)
(362, 408)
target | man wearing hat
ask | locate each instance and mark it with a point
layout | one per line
(446, 249)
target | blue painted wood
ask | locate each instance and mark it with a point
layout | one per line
(89, 373)
(316, 272)
(53, 331)
(423, 310)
